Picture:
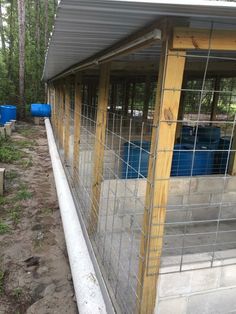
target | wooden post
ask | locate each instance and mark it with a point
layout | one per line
(56, 109)
(77, 122)
(232, 160)
(133, 98)
(215, 98)
(146, 98)
(162, 143)
(103, 96)
(66, 142)
(61, 114)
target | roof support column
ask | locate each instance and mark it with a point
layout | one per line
(77, 122)
(67, 122)
(170, 79)
(103, 97)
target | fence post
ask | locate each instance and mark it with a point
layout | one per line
(171, 71)
(103, 97)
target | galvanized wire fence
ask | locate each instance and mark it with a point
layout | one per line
(200, 224)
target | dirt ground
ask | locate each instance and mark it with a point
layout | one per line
(34, 271)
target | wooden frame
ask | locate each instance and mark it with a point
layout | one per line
(166, 111)
(77, 122)
(103, 97)
(194, 38)
(66, 142)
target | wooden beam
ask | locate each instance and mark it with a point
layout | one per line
(147, 96)
(194, 38)
(56, 110)
(162, 143)
(232, 160)
(61, 114)
(103, 97)
(77, 122)
(66, 143)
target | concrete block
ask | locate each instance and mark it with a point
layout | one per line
(182, 186)
(206, 213)
(175, 200)
(231, 184)
(202, 198)
(172, 285)
(215, 302)
(8, 129)
(13, 126)
(36, 120)
(2, 180)
(229, 197)
(205, 279)
(228, 276)
(2, 132)
(210, 184)
(171, 306)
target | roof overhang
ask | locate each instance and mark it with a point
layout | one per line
(84, 28)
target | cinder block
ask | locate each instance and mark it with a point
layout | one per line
(2, 132)
(8, 129)
(228, 276)
(36, 120)
(172, 306)
(202, 198)
(2, 180)
(210, 184)
(205, 279)
(231, 184)
(173, 285)
(182, 186)
(13, 124)
(216, 302)
(229, 197)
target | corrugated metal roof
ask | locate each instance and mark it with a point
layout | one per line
(85, 27)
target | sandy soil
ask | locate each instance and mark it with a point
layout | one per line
(34, 271)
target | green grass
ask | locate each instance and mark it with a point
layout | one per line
(4, 228)
(23, 194)
(3, 200)
(17, 292)
(25, 144)
(1, 282)
(11, 175)
(26, 163)
(8, 152)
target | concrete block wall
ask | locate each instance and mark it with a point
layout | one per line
(205, 291)
(205, 198)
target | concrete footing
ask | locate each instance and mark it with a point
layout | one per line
(2, 132)
(8, 128)
(2, 180)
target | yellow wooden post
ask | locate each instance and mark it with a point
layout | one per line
(103, 97)
(66, 142)
(162, 143)
(61, 115)
(232, 160)
(56, 109)
(77, 122)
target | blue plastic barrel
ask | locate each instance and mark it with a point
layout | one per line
(7, 113)
(208, 134)
(135, 159)
(185, 162)
(40, 110)
(221, 156)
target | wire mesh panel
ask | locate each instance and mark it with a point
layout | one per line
(200, 211)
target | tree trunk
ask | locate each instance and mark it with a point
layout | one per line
(21, 21)
(46, 24)
(2, 32)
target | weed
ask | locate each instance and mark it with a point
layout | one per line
(27, 163)
(25, 143)
(8, 152)
(15, 217)
(4, 228)
(23, 194)
(11, 175)
(17, 292)
(2, 200)
(1, 281)
(47, 210)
